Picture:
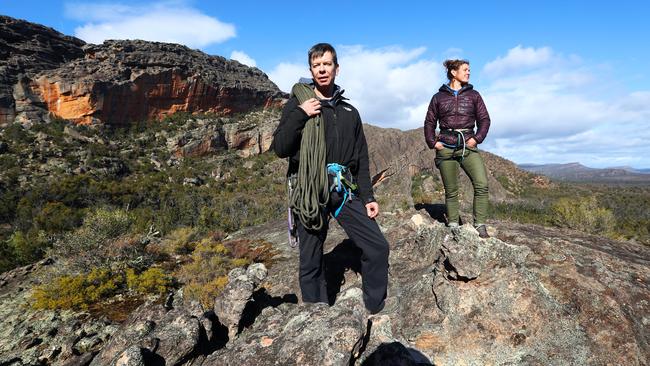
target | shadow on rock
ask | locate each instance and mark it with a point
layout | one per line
(259, 301)
(396, 354)
(437, 211)
(344, 256)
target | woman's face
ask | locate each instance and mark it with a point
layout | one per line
(462, 74)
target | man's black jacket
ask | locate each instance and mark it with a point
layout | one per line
(345, 141)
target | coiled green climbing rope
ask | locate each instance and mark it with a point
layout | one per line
(311, 192)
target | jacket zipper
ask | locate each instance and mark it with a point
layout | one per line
(456, 114)
(336, 127)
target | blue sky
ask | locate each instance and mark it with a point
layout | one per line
(563, 81)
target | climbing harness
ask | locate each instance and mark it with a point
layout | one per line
(341, 184)
(460, 134)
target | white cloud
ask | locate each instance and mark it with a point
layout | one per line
(390, 86)
(546, 111)
(171, 21)
(545, 107)
(286, 74)
(243, 58)
(519, 57)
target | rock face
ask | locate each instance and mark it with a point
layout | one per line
(527, 296)
(118, 82)
(229, 307)
(249, 136)
(25, 50)
(44, 337)
(530, 295)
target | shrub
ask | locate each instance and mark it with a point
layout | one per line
(207, 273)
(152, 281)
(583, 213)
(78, 291)
(252, 250)
(28, 247)
(425, 189)
(206, 292)
(179, 241)
(7, 259)
(521, 211)
(56, 217)
(87, 246)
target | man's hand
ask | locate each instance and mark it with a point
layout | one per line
(438, 145)
(471, 142)
(372, 209)
(311, 107)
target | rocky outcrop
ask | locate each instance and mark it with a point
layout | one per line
(307, 334)
(529, 295)
(44, 337)
(154, 332)
(229, 307)
(251, 135)
(122, 81)
(119, 82)
(27, 49)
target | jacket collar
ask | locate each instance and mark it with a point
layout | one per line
(336, 98)
(445, 88)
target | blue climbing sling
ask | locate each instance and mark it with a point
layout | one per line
(341, 184)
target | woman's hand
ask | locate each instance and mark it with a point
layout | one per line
(471, 142)
(311, 107)
(438, 146)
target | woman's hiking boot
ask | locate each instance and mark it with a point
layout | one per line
(482, 231)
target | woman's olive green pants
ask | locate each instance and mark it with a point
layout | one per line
(448, 160)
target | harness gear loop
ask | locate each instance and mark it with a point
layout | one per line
(292, 228)
(341, 184)
(311, 192)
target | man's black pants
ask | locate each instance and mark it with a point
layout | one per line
(366, 235)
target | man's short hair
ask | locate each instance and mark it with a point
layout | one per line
(319, 50)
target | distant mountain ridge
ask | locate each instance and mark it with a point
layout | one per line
(577, 172)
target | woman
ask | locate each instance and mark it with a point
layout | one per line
(460, 109)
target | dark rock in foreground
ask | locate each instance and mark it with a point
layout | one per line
(530, 295)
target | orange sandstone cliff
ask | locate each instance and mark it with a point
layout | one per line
(45, 73)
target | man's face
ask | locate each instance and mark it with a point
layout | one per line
(323, 70)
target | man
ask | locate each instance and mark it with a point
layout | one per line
(346, 146)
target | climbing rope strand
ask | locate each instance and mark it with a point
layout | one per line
(311, 192)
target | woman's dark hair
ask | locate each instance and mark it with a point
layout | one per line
(319, 50)
(453, 65)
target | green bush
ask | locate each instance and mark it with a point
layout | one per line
(77, 292)
(521, 211)
(153, 281)
(205, 276)
(28, 247)
(56, 217)
(583, 213)
(179, 241)
(90, 245)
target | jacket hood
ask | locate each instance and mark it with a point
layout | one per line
(445, 88)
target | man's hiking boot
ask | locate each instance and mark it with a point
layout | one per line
(453, 226)
(482, 231)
